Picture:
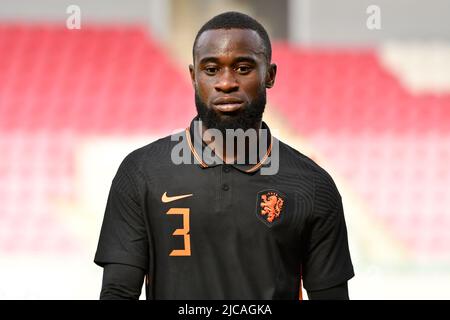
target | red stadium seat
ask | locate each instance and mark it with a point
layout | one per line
(391, 146)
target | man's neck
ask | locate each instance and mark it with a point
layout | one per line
(221, 151)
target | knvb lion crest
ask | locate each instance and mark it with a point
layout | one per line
(270, 205)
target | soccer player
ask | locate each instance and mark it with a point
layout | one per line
(185, 215)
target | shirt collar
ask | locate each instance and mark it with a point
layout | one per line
(202, 152)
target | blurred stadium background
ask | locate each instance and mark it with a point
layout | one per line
(371, 106)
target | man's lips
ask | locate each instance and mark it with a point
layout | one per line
(227, 104)
(228, 107)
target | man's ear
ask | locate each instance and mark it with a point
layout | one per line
(271, 74)
(192, 72)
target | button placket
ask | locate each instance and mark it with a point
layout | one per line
(226, 170)
(227, 191)
(223, 203)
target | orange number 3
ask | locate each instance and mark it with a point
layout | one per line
(182, 232)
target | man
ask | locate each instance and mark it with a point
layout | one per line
(217, 227)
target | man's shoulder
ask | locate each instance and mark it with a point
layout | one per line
(326, 193)
(304, 165)
(154, 153)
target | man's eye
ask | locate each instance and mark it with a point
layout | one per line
(244, 69)
(211, 70)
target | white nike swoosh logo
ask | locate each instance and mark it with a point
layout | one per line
(166, 198)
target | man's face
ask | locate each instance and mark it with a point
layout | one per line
(230, 76)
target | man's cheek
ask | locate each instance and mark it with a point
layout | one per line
(199, 91)
(204, 96)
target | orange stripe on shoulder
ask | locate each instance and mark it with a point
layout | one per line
(259, 164)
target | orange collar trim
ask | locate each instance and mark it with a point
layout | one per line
(204, 165)
(199, 159)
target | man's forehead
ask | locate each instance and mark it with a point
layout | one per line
(224, 41)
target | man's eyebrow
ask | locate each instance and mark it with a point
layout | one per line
(208, 59)
(245, 59)
(236, 60)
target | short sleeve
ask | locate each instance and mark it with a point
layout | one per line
(327, 260)
(123, 236)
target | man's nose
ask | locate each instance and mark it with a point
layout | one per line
(227, 82)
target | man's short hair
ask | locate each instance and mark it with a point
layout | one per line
(236, 20)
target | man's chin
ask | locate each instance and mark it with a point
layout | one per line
(228, 117)
(245, 117)
(217, 119)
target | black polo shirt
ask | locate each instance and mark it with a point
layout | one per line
(225, 231)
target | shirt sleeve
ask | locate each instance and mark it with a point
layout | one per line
(121, 282)
(339, 292)
(327, 260)
(123, 236)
